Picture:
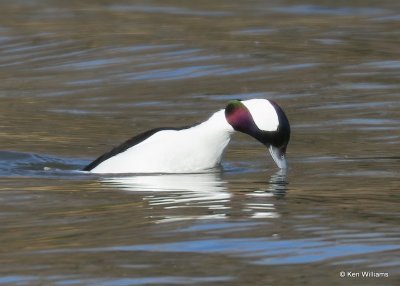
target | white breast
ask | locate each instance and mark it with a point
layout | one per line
(173, 151)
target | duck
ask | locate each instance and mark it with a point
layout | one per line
(200, 147)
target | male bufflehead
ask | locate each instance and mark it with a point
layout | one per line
(199, 147)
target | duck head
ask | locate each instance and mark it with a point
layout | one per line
(265, 121)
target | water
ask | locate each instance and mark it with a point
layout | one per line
(80, 77)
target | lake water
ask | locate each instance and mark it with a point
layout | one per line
(79, 77)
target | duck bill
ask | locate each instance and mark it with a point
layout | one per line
(279, 157)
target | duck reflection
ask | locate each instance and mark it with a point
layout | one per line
(200, 196)
(278, 184)
(259, 203)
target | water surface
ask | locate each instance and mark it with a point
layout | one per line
(79, 78)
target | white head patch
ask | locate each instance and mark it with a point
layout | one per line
(263, 113)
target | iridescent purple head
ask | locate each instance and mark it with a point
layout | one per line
(265, 121)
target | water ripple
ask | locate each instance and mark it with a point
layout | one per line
(256, 250)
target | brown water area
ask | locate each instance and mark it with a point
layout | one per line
(79, 77)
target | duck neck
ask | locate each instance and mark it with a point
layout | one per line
(217, 123)
(211, 138)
